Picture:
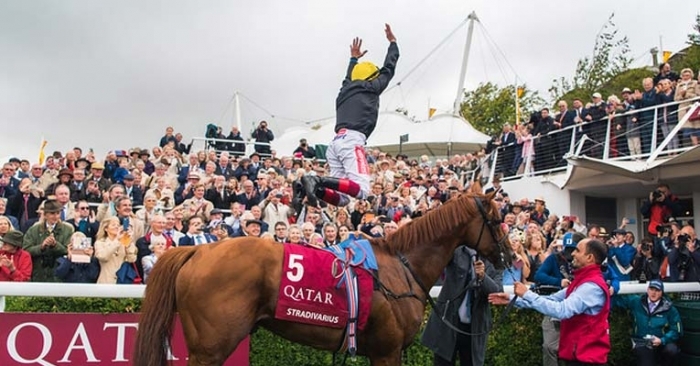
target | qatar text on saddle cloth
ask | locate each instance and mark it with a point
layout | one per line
(309, 291)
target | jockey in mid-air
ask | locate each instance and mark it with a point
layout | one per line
(357, 109)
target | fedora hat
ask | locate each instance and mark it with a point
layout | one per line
(52, 206)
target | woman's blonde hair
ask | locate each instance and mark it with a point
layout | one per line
(102, 232)
(7, 220)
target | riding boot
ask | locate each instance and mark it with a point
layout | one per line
(298, 196)
(343, 185)
(331, 196)
(310, 182)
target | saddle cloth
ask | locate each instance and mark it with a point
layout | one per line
(313, 288)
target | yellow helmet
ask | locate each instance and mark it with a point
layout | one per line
(364, 71)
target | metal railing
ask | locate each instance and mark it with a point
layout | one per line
(655, 133)
(49, 289)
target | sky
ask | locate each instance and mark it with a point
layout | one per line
(112, 75)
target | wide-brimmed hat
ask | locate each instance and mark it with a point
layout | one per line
(13, 237)
(97, 166)
(144, 152)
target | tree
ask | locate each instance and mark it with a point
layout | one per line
(489, 107)
(694, 38)
(611, 56)
(690, 57)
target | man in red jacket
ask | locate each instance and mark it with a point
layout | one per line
(15, 262)
(583, 307)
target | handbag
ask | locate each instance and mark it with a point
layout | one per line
(695, 116)
(128, 275)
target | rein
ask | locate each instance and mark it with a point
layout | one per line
(486, 223)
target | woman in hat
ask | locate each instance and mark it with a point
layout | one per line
(15, 262)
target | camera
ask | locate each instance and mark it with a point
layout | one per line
(683, 239)
(656, 194)
(646, 247)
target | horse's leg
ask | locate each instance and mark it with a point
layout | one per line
(214, 334)
(390, 359)
(213, 347)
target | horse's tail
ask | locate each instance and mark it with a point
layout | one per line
(158, 309)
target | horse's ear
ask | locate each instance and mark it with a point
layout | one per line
(491, 195)
(476, 187)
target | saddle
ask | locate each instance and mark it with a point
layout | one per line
(350, 254)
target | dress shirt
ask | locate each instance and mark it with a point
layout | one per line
(588, 298)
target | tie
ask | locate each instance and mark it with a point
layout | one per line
(25, 214)
(652, 306)
(82, 226)
(63, 214)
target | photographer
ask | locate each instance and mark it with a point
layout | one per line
(263, 135)
(684, 259)
(661, 205)
(646, 265)
(307, 151)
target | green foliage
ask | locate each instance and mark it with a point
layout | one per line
(611, 56)
(694, 38)
(518, 341)
(489, 107)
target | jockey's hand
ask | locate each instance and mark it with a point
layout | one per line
(356, 48)
(389, 34)
(499, 298)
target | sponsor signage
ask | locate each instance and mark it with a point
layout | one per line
(49, 339)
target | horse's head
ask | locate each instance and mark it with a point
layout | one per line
(486, 234)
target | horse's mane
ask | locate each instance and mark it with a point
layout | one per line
(437, 224)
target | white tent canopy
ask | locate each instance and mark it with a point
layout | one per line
(439, 136)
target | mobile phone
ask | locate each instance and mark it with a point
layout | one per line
(384, 219)
(631, 221)
(125, 224)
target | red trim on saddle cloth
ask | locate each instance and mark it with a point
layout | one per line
(308, 292)
(362, 166)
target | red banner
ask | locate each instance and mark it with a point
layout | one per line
(82, 339)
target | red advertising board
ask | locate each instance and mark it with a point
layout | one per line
(82, 339)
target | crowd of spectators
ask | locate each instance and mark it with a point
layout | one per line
(84, 219)
(541, 143)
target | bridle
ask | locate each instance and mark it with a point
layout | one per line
(486, 223)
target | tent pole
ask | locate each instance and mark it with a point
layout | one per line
(463, 72)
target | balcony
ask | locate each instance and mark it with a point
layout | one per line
(634, 145)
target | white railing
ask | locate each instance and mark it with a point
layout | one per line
(605, 144)
(47, 289)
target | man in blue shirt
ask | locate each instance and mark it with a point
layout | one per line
(585, 302)
(620, 255)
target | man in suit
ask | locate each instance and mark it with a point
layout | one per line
(9, 185)
(218, 194)
(84, 220)
(132, 191)
(238, 147)
(507, 142)
(186, 170)
(564, 121)
(250, 196)
(223, 168)
(198, 205)
(195, 234)
(97, 169)
(469, 310)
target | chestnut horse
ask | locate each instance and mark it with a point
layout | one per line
(223, 290)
